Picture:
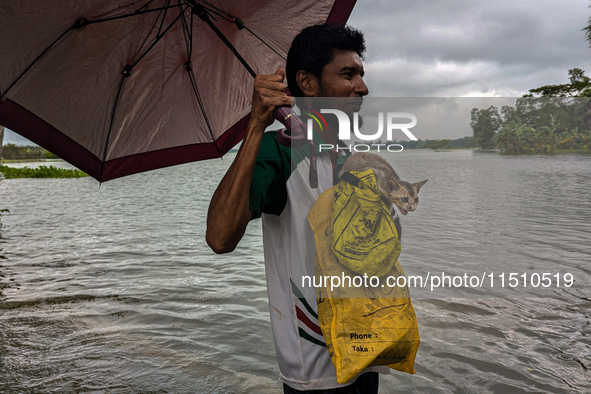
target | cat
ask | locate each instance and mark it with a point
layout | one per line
(394, 191)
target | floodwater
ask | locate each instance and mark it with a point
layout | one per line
(111, 288)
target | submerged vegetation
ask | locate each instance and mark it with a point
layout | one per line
(40, 172)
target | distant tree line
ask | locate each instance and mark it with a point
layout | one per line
(549, 118)
(460, 143)
(29, 152)
(464, 142)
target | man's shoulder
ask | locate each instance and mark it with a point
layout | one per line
(270, 147)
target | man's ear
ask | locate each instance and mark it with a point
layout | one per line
(308, 83)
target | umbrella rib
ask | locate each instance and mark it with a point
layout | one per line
(231, 18)
(188, 33)
(188, 67)
(123, 78)
(144, 6)
(158, 38)
(38, 59)
(218, 11)
(163, 18)
(202, 13)
(199, 102)
(115, 10)
(264, 42)
(111, 18)
(191, 38)
(127, 73)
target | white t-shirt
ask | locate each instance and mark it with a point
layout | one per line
(281, 195)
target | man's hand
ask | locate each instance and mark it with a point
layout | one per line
(229, 212)
(268, 94)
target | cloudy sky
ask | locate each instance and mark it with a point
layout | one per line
(467, 48)
(462, 48)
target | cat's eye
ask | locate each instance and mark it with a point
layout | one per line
(404, 199)
(417, 199)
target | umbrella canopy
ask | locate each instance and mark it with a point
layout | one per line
(123, 86)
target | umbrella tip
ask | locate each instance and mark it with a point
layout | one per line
(80, 22)
(198, 9)
(238, 23)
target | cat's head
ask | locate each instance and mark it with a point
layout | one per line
(404, 195)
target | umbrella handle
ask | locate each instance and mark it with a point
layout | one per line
(294, 125)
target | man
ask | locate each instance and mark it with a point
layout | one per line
(271, 181)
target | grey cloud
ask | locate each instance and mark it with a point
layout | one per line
(501, 47)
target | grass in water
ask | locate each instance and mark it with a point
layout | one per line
(40, 172)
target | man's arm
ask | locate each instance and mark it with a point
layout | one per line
(229, 212)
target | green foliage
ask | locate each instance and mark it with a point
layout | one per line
(561, 113)
(28, 152)
(464, 142)
(579, 86)
(40, 172)
(575, 139)
(49, 155)
(485, 123)
(515, 137)
(558, 118)
(419, 144)
(438, 144)
(561, 102)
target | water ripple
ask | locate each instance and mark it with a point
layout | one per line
(112, 288)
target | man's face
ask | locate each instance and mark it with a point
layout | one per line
(343, 77)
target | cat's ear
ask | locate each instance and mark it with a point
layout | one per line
(393, 185)
(418, 185)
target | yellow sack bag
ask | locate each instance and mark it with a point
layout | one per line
(366, 321)
(363, 233)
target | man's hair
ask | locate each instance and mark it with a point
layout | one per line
(312, 49)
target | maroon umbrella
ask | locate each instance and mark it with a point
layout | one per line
(119, 87)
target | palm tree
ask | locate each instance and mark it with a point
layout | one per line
(505, 140)
(546, 139)
(587, 30)
(514, 137)
(583, 138)
(574, 138)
